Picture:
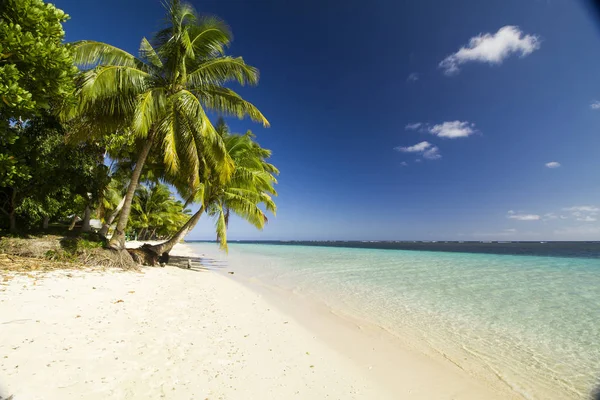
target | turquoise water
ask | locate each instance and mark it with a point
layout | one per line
(533, 322)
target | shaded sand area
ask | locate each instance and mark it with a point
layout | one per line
(180, 333)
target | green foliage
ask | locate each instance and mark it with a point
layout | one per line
(36, 69)
(156, 213)
(247, 192)
(36, 74)
(51, 178)
(161, 95)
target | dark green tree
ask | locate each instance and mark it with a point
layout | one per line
(36, 68)
(36, 73)
(55, 179)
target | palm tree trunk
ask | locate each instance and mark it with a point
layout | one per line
(117, 242)
(87, 215)
(111, 218)
(73, 222)
(167, 246)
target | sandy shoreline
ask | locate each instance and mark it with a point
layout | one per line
(194, 334)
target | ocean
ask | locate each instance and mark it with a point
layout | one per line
(526, 313)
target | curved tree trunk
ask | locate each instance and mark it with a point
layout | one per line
(111, 218)
(87, 215)
(117, 242)
(73, 222)
(167, 246)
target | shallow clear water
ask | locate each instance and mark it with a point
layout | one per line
(532, 321)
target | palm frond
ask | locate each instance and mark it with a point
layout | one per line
(220, 70)
(89, 54)
(150, 106)
(147, 52)
(228, 102)
(221, 227)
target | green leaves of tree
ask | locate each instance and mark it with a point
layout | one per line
(36, 68)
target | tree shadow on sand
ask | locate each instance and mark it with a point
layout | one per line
(196, 264)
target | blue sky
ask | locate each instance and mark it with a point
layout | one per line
(500, 88)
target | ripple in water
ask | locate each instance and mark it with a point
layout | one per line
(534, 322)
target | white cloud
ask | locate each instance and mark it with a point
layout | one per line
(429, 151)
(587, 218)
(432, 153)
(553, 164)
(417, 148)
(413, 77)
(448, 129)
(524, 217)
(404, 164)
(418, 160)
(511, 230)
(492, 48)
(595, 105)
(453, 129)
(413, 127)
(583, 213)
(511, 212)
(592, 209)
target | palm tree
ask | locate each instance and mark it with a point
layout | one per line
(250, 187)
(113, 199)
(162, 95)
(156, 212)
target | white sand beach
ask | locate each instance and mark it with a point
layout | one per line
(175, 333)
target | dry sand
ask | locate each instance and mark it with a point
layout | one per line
(185, 334)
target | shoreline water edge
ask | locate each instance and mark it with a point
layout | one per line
(217, 330)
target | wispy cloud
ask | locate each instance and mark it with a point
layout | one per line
(583, 209)
(432, 154)
(595, 105)
(587, 218)
(549, 216)
(413, 77)
(553, 164)
(426, 149)
(413, 127)
(404, 164)
(584, 213)
(522, 217)
(492, 48)
(448, 129)
(417, 148)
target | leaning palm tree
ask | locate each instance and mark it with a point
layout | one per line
(250, 187)
(162, 95)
